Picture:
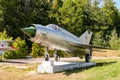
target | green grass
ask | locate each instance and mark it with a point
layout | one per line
(104, 70)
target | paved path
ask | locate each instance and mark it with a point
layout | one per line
(37, 60)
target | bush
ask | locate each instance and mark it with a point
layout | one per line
(60, 53)
(22, 51)
(4, 36)
(114, 40)
(63, 53)
(37, 50)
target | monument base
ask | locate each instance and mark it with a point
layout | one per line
(51, 67)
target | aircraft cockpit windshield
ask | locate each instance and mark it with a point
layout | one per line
(53, 26)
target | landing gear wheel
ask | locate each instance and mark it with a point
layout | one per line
(47, 57)
(87, 58)
(57, 58)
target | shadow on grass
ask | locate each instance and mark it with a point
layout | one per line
(105, 63)
(99, 64)
(2, 61)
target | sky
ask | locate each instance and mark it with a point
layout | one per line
(117, 4)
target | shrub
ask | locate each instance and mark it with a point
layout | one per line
(114, 40)
(22, 51)
(4, 36)
(37, 50)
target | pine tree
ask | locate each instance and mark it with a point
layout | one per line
(114, 40)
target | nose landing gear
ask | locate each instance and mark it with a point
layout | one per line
(47, 57)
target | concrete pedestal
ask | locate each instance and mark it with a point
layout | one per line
(51, 67)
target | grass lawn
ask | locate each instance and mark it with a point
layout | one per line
(106, 69)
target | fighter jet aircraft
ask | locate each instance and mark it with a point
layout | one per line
(57, 38)
(4, 46)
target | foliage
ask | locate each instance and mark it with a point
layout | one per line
(55, 10)
(63, 54)
(37, 50)
(60, 53)
(98, 39)
(19, 13)
(22, 51)
(74, 15)
(0, 57)
(71, 15)
(114, 40)
(110, 13)
(4, 36)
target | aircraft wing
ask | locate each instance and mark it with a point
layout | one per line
(4, 45)
(91, 46)
(87, 46)
(6, 41)
(7, 48)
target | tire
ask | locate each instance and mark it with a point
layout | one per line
(87, 58)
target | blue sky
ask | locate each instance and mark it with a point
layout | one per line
(117, 3)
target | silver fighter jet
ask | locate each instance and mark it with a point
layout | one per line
(57, 38)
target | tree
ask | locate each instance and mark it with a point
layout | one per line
(114, 40)
(110, 14)
(72, 15)
(19, 13)
(96, 14)
(118, 23)
(56, 4)
(1, 18)
(98, 40)
(104, 17)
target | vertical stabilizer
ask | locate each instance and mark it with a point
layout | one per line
(86, 37)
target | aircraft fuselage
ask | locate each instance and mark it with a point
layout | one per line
(56, 37)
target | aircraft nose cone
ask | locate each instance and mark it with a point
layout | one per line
(29, 31)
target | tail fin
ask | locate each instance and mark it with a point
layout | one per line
(86, 37)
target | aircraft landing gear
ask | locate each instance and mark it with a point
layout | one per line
(88, 56)
(47, 57)
(56, 56)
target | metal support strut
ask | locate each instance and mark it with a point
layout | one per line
(47, 57)
(56, 56)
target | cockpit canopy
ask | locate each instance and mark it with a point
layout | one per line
(56, 27)
(53, 26)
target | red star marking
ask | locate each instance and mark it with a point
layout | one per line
(2, 45)
(14, 47)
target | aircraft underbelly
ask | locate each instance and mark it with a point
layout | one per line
(59, 46)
